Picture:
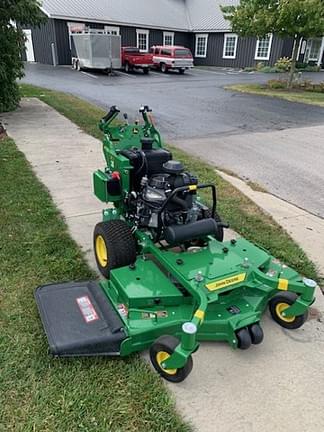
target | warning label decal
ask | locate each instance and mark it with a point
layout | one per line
(86, 307)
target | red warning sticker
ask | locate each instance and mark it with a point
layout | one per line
(87, 309)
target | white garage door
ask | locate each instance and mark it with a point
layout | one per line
(29, 46)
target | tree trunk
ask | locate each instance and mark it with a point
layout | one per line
(293, 61)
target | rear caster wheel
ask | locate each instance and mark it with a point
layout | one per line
(277, 306)
(244, 340)
(160, 351)
(114, 246)
(256, 333)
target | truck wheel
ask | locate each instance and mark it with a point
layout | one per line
(181, 71)
(114, 245)
(146, 71)
(128, 68)
(278, 304)
(161, 350)
(164, 69)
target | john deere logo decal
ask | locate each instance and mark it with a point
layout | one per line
(232, 280)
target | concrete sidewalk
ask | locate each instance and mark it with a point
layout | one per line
(275, 386)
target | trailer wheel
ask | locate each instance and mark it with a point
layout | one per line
(114, 246)
(243, 338)
(77, 65)
(73, 64)
(161, 350)
(279, 303)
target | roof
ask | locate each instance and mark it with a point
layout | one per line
(182, 15)
(206, 15)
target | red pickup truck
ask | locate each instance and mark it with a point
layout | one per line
(132, 59)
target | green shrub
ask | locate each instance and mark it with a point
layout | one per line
(12, 42)
(310, 68)
(277, 84)
(259, 66)
(249, 69)
(283, 64)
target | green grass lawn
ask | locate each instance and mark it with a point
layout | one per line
(37, 392)
(307, 97)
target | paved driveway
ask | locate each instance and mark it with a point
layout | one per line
(196, 106)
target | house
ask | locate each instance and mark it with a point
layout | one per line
(196, 24)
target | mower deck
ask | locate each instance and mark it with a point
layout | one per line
(78, 320)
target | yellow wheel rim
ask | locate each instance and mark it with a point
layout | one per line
(280, 307)
(101, 251)
(161, 356)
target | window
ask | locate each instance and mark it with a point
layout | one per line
(313, 49)
(142, 39)
(230, 45)
(263, 48)
(168, 38)
(182, 52)
(165, 52)
(112, 30)
(201, 45)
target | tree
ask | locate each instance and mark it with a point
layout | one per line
(296, 19)
(12, 42)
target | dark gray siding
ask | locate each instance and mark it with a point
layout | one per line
(287, 47)
(245, 52)
(62, 42)
(128, 36)
(183, 39)
(43, 36)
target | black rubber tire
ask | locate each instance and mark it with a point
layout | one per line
(164, 69)
(289, 298)
(256, 333)
(243, 338)
(181, 71)
(146, 71)
(128, 68)
(220, 232)
(120, 244)
(168, 344)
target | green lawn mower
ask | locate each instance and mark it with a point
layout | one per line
(170, 281)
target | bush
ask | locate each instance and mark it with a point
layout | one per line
(12, 43)
(259, 66)
(283, 64)
(249, 69)
(277, 84)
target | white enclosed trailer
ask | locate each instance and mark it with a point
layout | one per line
(96, 50)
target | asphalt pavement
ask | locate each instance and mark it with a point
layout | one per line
(235, 131)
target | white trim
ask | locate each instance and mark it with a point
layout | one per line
(319, 62)
(267, 57)
(168, 34)
(146, 32)
(109, 29)
(226, 36)
(29, 47)
(201, 35)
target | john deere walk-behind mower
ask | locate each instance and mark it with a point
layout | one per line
(170, 280)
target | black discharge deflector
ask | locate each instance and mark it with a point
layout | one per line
(79, 320)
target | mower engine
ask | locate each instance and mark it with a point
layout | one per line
(155, 193)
